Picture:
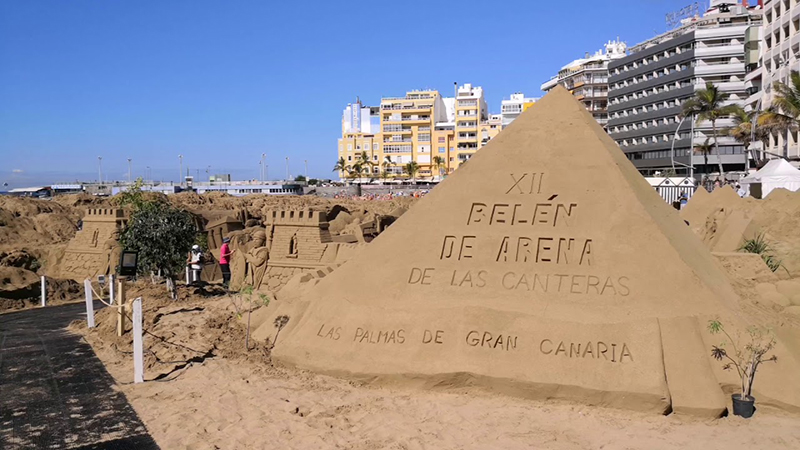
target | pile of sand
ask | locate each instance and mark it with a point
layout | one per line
(723, 215)
(21, 288)
(26, 223)
(202, 323)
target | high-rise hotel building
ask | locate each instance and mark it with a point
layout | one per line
(776, 50)
(648, 86)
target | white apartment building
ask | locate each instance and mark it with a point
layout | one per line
(778, 47)
(511, 109)
(587, 79)
(470, 111)
(357, 118)
(649, 86)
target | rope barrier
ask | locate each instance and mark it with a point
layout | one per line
(144, 330)
(100, 297)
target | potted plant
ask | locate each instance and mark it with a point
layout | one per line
(745, 358)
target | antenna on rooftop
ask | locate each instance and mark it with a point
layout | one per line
(675, 18)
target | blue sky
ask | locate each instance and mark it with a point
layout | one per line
(222, 82)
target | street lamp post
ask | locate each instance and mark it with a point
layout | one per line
(287, 169)
(129, 170)
(100, 170)
(690, 166)
(306, 163)
(180, 178)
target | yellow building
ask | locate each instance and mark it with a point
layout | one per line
(437, 133)
(444, 145)
(407, 128)
(489, 129)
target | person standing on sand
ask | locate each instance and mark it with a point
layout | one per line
(195, 262)
(225, 261)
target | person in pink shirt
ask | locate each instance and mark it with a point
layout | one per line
(225, 261)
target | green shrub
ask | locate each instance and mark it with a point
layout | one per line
(760, 246)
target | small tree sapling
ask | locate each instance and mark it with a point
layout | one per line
(745, 357)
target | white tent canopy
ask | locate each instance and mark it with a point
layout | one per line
(776, 174)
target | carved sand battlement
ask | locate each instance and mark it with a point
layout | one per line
(116, 213)
(306, 217)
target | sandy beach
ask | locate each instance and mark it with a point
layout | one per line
(222, 404)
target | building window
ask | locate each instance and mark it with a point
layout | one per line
(375, 146)
(349, 147)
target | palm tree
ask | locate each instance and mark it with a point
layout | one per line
(704, 149)
(708, 104)
(366, 163)
(787, 96)
(775, 123)
(742, 130)
(341, 166)
(355, 170)
(411, 169)
(438, 161)
(387, 163)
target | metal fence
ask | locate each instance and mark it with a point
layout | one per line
(673, 193)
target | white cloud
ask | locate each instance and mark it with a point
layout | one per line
(16, 171)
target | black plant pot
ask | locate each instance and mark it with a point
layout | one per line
(743, 407)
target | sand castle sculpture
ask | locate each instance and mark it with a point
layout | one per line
(546, 267)
(95, 249)
(290, 242)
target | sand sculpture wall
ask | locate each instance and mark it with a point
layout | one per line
(95, 248)
(219, 229)
(293, 241)
(546, 267)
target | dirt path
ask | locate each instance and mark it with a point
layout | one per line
(54, 391)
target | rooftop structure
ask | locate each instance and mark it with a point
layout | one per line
(587, 79)
(511, 109)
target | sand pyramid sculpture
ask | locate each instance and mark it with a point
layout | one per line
(545, 267)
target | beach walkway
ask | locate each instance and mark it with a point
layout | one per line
(55, 393)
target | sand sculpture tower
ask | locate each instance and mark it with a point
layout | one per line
(91, 251)
(298, 241)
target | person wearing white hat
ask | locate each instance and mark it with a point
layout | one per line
(195, 263)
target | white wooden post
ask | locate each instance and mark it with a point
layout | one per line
(44, 295)
(87, 286)
(138, 356)
(111, 289)
(187, 275)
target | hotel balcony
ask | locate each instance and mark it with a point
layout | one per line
(405, 107)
